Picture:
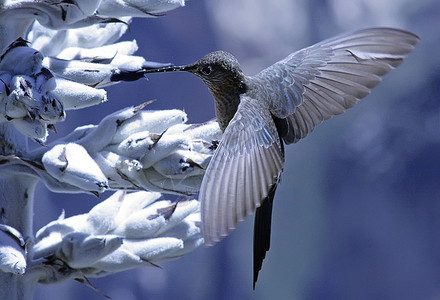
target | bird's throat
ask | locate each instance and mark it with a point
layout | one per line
(225, 108)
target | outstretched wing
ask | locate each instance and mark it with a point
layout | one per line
(247, 163)
(324, 80)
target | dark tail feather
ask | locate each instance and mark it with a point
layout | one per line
(262, 227)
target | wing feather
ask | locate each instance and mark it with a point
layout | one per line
(332, 76)
(246, 164)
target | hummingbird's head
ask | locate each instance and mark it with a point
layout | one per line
(219, 70)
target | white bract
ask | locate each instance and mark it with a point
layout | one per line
(72, 164)
(126, 230)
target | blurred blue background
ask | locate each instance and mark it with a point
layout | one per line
(357, 215)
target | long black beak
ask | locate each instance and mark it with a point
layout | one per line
(187, 68)
(148, 67)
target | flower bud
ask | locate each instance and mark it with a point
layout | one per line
(72, 164)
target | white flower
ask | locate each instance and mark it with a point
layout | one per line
(26, 91)
(134, 149)
(122, 232)
(72, 164)
(59, 43)
(76, 95)
(80, 250)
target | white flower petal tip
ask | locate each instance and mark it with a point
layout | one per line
(76, 95)
(72, 164)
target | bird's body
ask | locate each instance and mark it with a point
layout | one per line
(280, 105)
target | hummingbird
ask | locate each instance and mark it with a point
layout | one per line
(282, 104)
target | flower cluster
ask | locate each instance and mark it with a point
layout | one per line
(66, 69)
(58, 56)
(83, 64)
(126, 230)
(133, 149)
(61, 15)
(26, 91)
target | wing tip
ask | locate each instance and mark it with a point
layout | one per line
(213, 236)
(211, 239)
(391, 30)
(208, 242)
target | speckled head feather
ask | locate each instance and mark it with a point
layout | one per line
(220, 58)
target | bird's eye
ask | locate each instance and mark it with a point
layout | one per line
(206, 70)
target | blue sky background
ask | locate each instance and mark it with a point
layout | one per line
(357, 215)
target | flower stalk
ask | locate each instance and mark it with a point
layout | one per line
(57, 57)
